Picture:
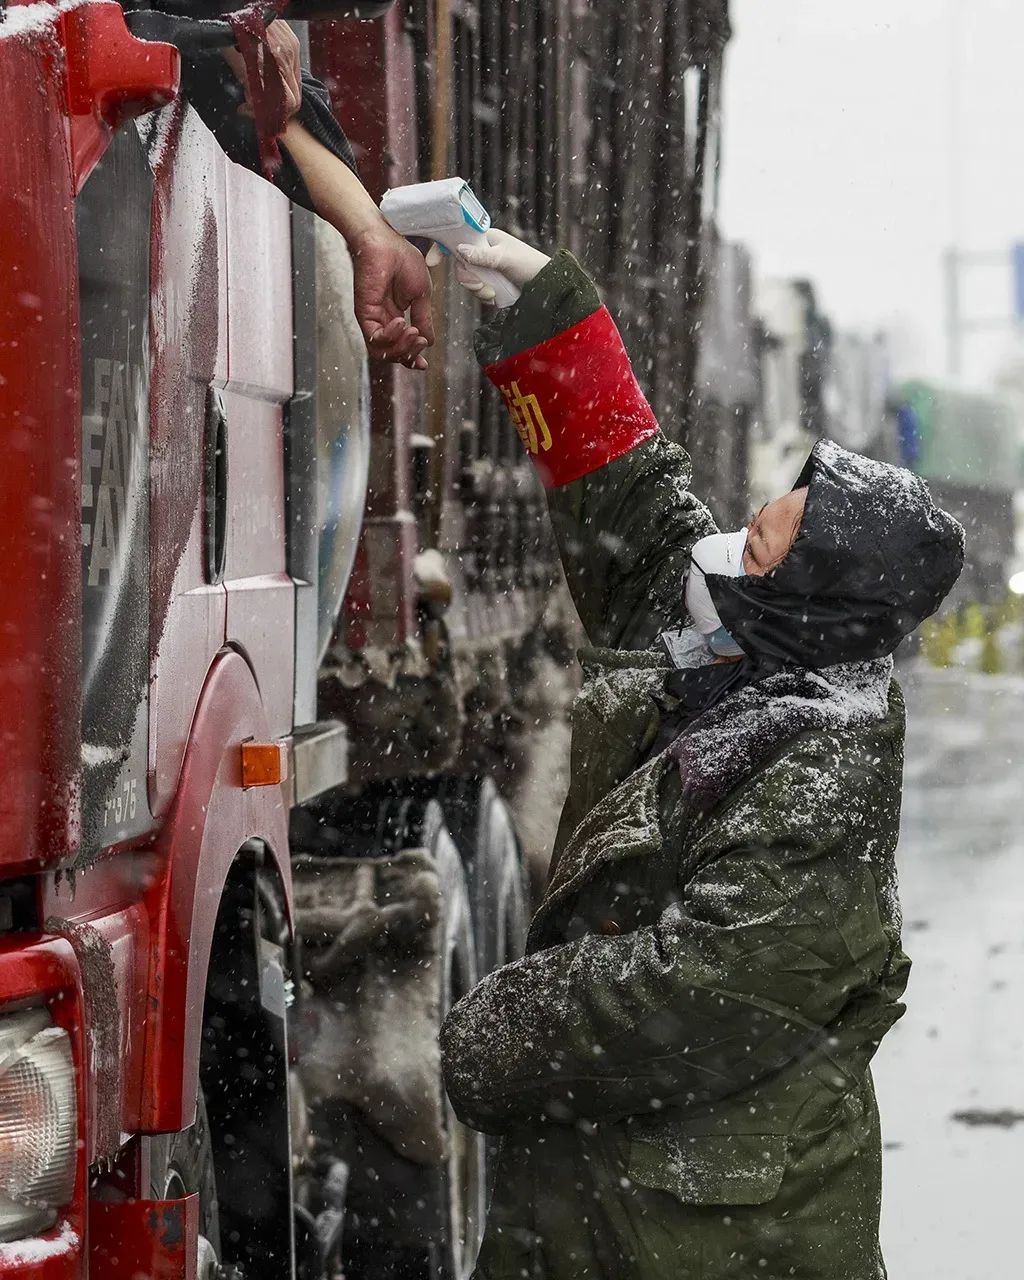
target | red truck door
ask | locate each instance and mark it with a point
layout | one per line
(188, 341)
(260, 593)
(112, 224)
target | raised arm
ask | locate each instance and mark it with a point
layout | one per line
(618, 491)
(391, 277)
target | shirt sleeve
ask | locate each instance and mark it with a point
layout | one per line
(215, 93)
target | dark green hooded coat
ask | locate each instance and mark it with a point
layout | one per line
(679, 1066)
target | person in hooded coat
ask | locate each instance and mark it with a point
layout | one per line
(679, 1066)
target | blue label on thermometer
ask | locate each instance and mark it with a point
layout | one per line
(472, 210)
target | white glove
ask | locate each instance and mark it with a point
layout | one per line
(517, 261)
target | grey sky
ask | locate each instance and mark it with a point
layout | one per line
(858, 134)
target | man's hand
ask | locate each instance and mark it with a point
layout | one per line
(283, 43)
(391, 278)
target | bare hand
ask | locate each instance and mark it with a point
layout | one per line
(283, 43)
(391, 278)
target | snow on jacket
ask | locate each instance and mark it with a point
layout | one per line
(679, 1065)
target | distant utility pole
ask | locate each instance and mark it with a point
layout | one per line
(956, 262)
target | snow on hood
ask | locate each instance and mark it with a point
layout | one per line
(874, 557)
(23, 20)
(38, 1249)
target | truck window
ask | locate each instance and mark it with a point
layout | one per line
(342, 427)
(113, 225)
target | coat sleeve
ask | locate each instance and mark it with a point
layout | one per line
(618, 491)
(625, 533)
(738, 979)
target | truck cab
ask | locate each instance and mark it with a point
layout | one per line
(283, 647)
(181, 523)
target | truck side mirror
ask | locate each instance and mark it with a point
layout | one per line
(111, 77)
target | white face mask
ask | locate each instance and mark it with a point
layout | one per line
(720, 553)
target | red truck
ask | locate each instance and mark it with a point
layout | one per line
(252, 837)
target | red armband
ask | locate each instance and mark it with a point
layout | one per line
(574, 400)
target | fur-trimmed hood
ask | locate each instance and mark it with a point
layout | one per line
(730, 740)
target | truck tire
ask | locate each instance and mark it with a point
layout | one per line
(243, 1071)
(483, 829)
(464, 1176)
(482, 825)
(405, 1220)
(181, 1164)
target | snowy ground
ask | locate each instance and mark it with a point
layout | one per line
(950, 1076)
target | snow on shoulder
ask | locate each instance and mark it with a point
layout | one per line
(730, 740)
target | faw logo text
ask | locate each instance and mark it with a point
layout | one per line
(106, 470)
(528, 418)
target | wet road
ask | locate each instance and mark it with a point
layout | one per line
(954, 1188)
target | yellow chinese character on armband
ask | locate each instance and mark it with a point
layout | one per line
(528, 418)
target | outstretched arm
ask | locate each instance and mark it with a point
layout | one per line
(391, 277)
(618, 491)
(392, 284)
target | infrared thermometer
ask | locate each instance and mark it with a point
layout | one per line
(449, 213)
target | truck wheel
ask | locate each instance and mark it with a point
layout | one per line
(181, 1164)
(403, 1220)
(243, 1071)
(464, 1172)
(482, 826)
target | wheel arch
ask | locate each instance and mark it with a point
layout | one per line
(211, 821)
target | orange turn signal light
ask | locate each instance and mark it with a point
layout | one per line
(264, 764)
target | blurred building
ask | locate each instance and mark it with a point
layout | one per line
(1010, 384)
(728, 385)
(859, 408)
(796, 347)
(966, 444)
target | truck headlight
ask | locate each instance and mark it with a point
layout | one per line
(38, 1123)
